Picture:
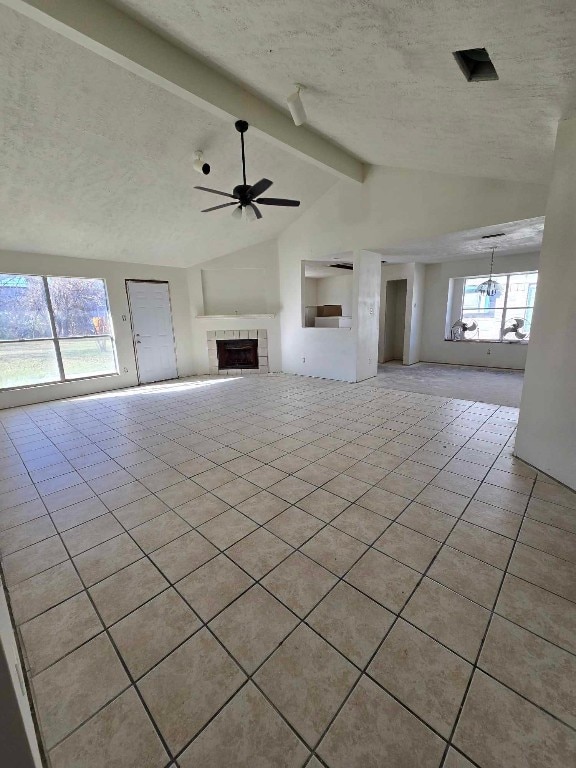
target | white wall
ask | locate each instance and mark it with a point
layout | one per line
(434, 347)
(18, 744)
(115, 274)
(392, 206)
(235, 290)
(336, 290)
(256, 266)
(367, 276)
(547, 427)
(415, 302)
(310, 292)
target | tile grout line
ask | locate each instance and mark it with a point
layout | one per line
(224, 647)
(120, 658)
(483, 640)
(328, 523)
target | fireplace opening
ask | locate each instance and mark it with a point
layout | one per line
(237, 353)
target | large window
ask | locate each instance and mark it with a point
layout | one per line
(54, 329)
(494, 315)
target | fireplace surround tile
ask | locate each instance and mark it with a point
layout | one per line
(259, 334)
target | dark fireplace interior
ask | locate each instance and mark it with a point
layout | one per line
(237, 353)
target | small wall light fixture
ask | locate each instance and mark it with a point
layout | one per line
(199, 165)
(296, 107)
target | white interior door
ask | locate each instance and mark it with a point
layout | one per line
(153, 331)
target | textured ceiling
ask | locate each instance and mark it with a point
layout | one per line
(381, 78)
(96, 162)
(519, 237)
(318, 269)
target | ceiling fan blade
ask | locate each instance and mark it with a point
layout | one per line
(216, 207)
(278, 201)
(260, 187)
(217, 192)
(256, 211)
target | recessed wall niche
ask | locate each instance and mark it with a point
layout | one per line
(236, 291)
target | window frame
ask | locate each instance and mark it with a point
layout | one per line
(505, 308)
(55, 339)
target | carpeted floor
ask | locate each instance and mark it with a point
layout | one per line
(502, 386)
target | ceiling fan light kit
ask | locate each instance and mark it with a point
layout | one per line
(296, 106)
(244, 195)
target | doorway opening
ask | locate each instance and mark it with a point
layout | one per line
(392, 331)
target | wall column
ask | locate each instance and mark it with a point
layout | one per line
(547, 427)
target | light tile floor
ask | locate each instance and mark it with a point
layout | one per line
(281, 571)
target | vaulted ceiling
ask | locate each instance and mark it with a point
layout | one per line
(381, 77)
(96, 161)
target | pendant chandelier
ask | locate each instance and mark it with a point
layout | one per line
(489, 287)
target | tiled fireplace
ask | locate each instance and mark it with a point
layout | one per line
(222, 356)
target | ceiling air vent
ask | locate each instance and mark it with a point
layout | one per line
(498, 234)
(342, 266)
(476, 64)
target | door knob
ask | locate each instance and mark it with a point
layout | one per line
(138, 342)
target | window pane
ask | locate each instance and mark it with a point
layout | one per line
(28, 362)
(23, 308)
(80, 306)
(475, 300)
(525, 316)
(488, 321)
(522, 290)
(88, 357)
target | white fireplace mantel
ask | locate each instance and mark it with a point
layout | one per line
(233, 317)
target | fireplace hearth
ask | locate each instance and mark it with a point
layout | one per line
(237, 354)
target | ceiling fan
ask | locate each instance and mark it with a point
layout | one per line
(245, 195)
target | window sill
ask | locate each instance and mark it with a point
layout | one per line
(53, 383)
(487, 341)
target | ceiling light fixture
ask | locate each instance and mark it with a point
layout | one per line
(296, 107)
(199, 165)
(489, 287)
(245, 195)
(245, 213)
(249, 213)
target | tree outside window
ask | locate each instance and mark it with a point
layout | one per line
(54, 329)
